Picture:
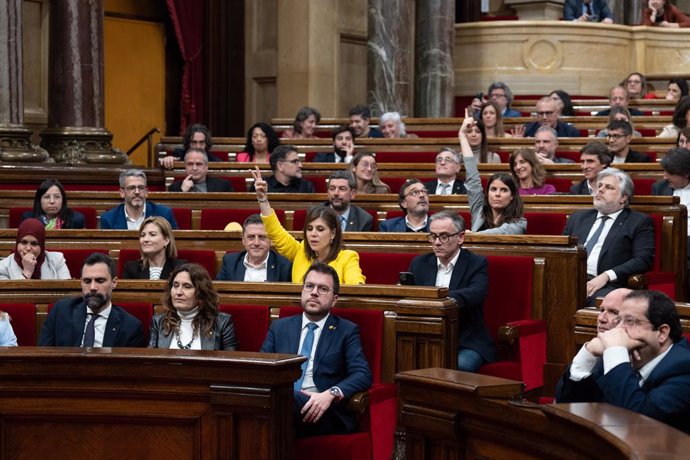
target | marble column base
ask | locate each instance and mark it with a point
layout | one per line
(536, 10)
(16, 146)
(81, 145)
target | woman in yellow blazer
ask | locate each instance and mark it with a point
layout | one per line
(322, 242)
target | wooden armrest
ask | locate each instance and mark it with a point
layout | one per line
(509, 333)
(638, 281)
(359, 403)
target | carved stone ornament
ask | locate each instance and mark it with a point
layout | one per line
(71, 145)
(16, 146)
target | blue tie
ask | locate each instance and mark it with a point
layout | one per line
(595, 237)
(306, 352)
(343, 223)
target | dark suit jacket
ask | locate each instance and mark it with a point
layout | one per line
(296, 185)
(458, 187)
(338, 361)
(134, 270)
(213, 184)
(397, 224)
(662, 188)
(562, 129)
(580, 189)
(233, 269)
(665, 394)
(469, 285)
(628, 247)
(223, 337)
(572, 9)
(358, 220)
(115, 218)
(636, 157)
(325, 157)
(78, 220)
(605, 113)
(64, 326)
(179, 152)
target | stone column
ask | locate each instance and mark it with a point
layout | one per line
(75, 132)
(389, 60)
(15, 138)
(633, 11)
(434, 71)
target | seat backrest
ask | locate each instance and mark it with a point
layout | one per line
(251, 324)
(143, 311)
(405, 157)
(90, 216)
(23, 322)
(510, 291)
(370, 324)
(384, 267)
(125, 256)
(657, 220)
(183, 217)
(204, 257)
(75, 258)
(545, 223)
(320, 183)
(643, 185)
(217, 219)
(561, 184)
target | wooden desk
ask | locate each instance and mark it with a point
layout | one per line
(73, 403)
(448, 414)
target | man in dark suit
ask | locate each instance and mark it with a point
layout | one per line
(594, 158)
(92, 321)
(342, 189)
(547, 115)
(587, 11)
(131, 214)
(466, 275)
(619, 241)
(642, 365)
(198, 180)
(545, 146)
(287, 172)
(413, 199)
(619, 136)
(335, 368)
(343, 146)
(618, 97)
(447, 168)
(257, 262)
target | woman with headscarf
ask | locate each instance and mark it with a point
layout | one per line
(30, 259)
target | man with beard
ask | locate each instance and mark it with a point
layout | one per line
(545, 145)
(342, 189)
(343, 146)
(336, 367)
(92, 320)
(619, 242)
(414, 201)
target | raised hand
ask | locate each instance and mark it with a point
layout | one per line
(260, 184)
(187, 184)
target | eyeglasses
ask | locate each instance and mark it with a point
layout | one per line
(365, 165)
(545, 114)
(294, 162)
(132, 188)
(417, 192)
(442, 237)
(440, 160)
(496, 95)
(320, 288)
(631, 321)
(615, 137)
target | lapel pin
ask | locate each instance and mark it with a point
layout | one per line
(331, 328)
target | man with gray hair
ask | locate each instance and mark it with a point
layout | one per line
(619, 241)
(130, 214)
(448, 165)
(197, 178)
(545, 145)
(466, 275)
(342, 189)
(501, 95)
(547, 115)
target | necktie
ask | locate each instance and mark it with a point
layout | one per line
(90, 333)
(343, 223)
(306, 352)
(589, 245)
(589, 8)
(445, 189)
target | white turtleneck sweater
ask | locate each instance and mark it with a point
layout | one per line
(187, 330)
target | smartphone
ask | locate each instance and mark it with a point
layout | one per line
(480, 96)
(406, 279)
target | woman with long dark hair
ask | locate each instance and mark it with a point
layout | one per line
(261, 140)
(50, 207)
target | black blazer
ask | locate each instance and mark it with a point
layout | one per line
(213, 184)
(223, 337)
(78, 220)
(636, 157)
(324, 157)
(64, 326)
(358, 220)
(233, 269)
(469, 286)
(134, 270)
(628, 247)
(458, 187)
(662, 188)
(580, 189)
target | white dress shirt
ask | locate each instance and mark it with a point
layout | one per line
(256, 272)
(98, 325)
(593, 258)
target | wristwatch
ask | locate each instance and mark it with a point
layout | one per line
(336, 393)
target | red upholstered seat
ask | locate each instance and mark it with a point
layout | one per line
(75, 258)
(217, 219)
(384, 267)
(143, 311)
(405, 157)
(657, 279)
(643, 186)
(434, 133)
(575, 156)
(251, 324)
(204, 257)
(90, 216)
(23, 322)
(375, 437)
(183, 217)
(508, 306)
(562, 185)
(320, 183)
(545, 223)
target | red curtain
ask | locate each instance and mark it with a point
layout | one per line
(188, 19)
